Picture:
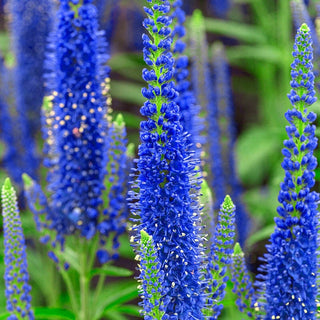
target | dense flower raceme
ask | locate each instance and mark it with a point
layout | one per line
(301, 15)
(202, 86)
(108, 16)
(11, 160)
(291, 269)
(217, 105)
(15, 258)
(150, 278)
(31, 23)
(78, 119)
(76, 124)
(186, 101)
(167, 208)
(222, 240)
(243, 285)
(114, 217)
(227, 133)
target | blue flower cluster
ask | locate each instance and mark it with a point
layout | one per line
(220, 256)
(31, 23)
(150, 278)
(290, 281)
(108, 15)
(301, 15)
(15, 258)
(11, 159)
(114, 218)
(227, 133)
(202, 86)
(243, 286)
(186, 101)
(76, 125)
(164, 175)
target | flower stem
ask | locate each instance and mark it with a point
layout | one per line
(70, 288)
(84, 284)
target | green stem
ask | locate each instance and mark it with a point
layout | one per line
(54, 293)
(99, 288)
(70, 289)
(84, 283)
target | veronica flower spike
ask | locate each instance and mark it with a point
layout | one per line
(291, 269)
(166, 207)
(243, 285)
(220, 257)
(227, 133)
(114, 218)
(15, 258)
(76, 125)
(31, 24)
(202, 86)
(150, 278)
(186, 100)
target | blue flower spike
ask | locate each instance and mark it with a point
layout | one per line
(186, 100)
(151, 278)
(243, 285)
(37, 201)
(165, 199)
(301, 15)
(223, 164)
(31, 23)
(114, 218)
(202, 86)
(15, 258)
(220, 257)
(200, 71)
(75, 120)
(291, 262)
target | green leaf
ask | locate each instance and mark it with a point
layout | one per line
(257, 149)
(128, 65)
(240, 31)
(71, 257)
(126, 294)
(4, 315)
(53, 313)
(117, 294)
(263, 53)
(127, 92)
(260, 235)
(115, 315)
(108, 270)
(130, 310)
(262, 204)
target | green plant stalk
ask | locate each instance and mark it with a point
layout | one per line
(99, 288)
(53, 294)
(70, 289)
(266, 74)
(84, 281)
